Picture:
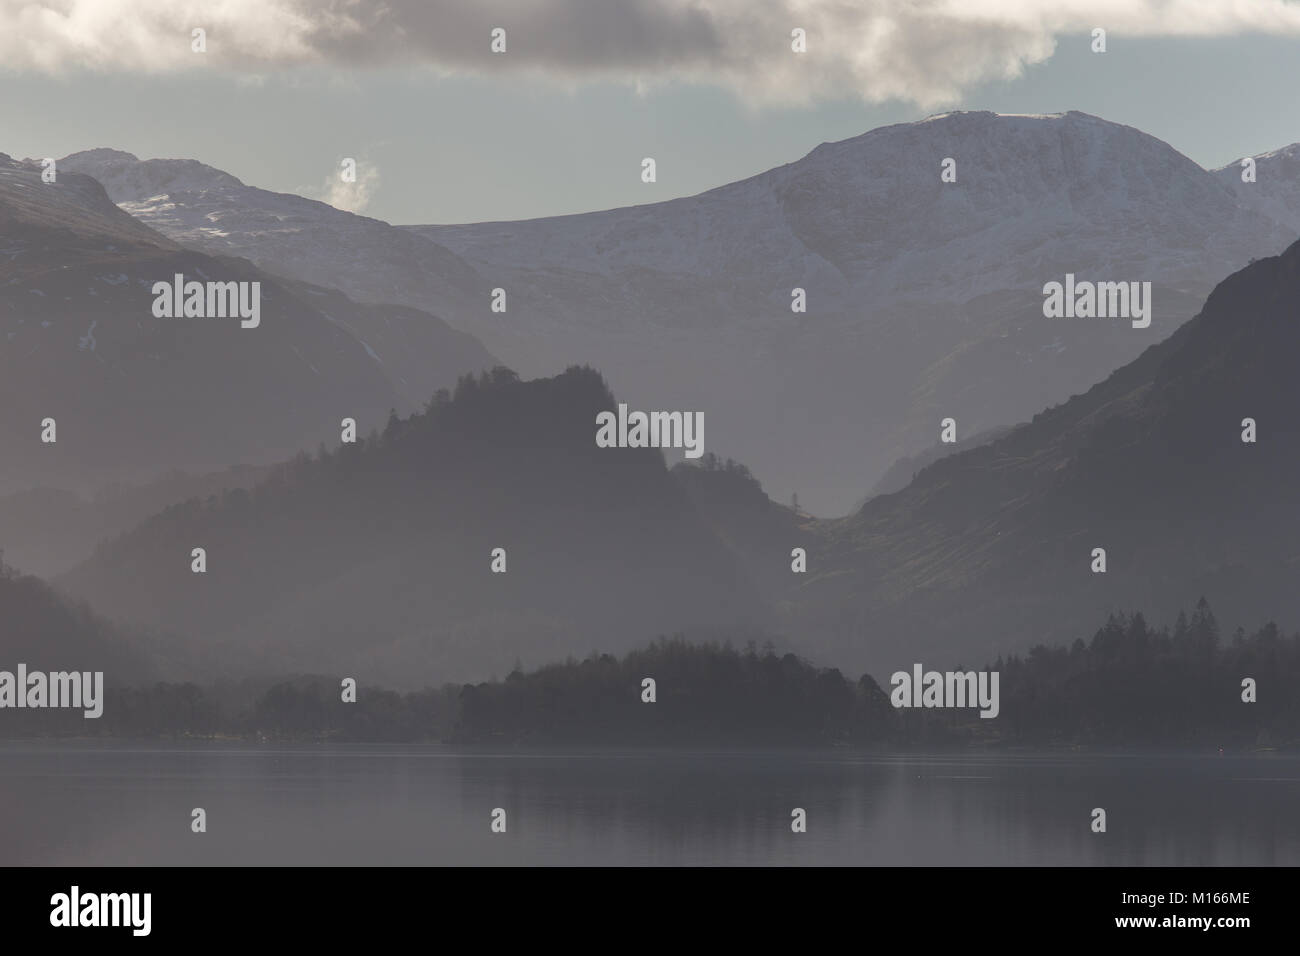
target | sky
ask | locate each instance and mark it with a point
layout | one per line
(444, 130)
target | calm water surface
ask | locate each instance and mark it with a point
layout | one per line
(74, 803)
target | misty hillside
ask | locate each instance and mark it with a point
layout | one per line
(901, 472)
(46, 531)
(991, 548)
(924, 298)
(375, 560)
(385, 546)
(758, 532)
(47, 632)
(133, 395)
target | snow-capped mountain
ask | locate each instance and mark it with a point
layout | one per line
(209, 210)
(869, 219)
(924, 297)
(1275, 192)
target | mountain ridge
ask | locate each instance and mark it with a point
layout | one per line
(923, 297)
(377, 558)
(1148, 464)
(133, 395)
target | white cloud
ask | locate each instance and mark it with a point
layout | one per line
(352, 196)
(924, 51)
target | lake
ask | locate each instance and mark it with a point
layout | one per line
(79, 803)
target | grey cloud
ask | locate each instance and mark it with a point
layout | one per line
(924, 51)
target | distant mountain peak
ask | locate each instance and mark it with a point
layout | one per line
(129, 179)
(990, 114)
(1282, 152)
(102, 153)
(1271, 186)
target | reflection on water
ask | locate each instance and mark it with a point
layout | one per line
(77, 804)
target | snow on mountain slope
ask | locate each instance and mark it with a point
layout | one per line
(211, 211)
(924, 298)
(872, 212)
(1275, 193)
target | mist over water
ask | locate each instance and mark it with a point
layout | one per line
(62, 803)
